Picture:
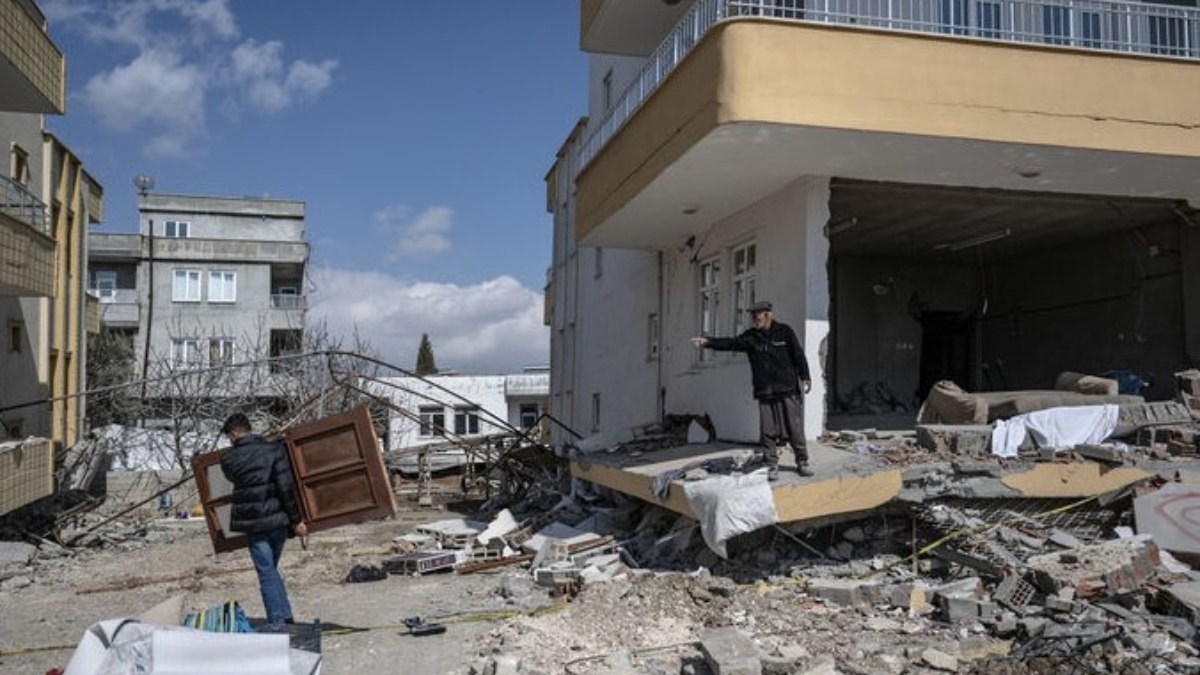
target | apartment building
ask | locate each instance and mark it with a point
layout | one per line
(206, 281)
(47, 203)
(991, 192)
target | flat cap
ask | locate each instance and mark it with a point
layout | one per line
(761, 306)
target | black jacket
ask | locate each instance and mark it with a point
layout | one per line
(777, 364)
(264, 492)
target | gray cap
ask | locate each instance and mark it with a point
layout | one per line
(761, 306)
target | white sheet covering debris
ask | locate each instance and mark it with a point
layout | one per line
(730, 505)
(1055, 428)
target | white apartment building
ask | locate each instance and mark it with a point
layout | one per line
(991, 192)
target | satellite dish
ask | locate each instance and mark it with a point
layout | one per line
(143, 182)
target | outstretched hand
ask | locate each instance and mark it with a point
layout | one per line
(699, 341)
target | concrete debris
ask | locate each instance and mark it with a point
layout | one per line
(729, 651)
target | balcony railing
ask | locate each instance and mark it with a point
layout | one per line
(287, 301)
(1101, 25)
(17, 201)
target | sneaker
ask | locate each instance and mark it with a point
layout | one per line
(802, 469)
(773, 473)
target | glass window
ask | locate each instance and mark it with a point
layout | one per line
(529, 415)
(710, 300)
(185, 352)
(466, 421)
(105, 285)
(745, 280)
(222, 286)
(220, 351)
(1056, 24)
(177, 229)
(433, 420)
(186, 286)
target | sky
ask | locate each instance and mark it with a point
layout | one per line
(417, 133)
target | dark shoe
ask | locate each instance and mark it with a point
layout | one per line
(772, 473)
(803, 470)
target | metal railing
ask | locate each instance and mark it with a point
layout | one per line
(1111, 26)
(17, 201)
(287, 301)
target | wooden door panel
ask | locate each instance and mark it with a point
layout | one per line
(215, 491)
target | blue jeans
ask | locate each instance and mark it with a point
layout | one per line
(265, 550)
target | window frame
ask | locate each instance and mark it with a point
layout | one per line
(708, 300)
(528, 409)
(431, 421)
(466, 421)
(745, 284)
(229, 282)
(187, 274)
(177, 229)
(225, 350)
(185, 353)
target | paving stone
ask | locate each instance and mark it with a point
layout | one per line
(729, 651)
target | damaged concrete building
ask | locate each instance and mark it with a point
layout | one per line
(926, 193)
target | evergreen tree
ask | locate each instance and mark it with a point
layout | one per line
(425, 363)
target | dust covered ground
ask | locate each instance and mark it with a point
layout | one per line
(498, 622)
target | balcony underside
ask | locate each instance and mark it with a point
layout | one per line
(757, 105)
(32, 78)
(631, 27)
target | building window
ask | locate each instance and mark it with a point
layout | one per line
(20, 165)
(104, 283)
(596, 411)
(16, 337)
(185, 353)
(179, 229)
(222, 286)
(466, 421)
(953, 15)
(529, 415)
(599, 271)
(186, 286)
(606, 90)
(745, 280)
(1056, 24)
(220, 351)
(433, 421)
(652, 337)
(710, 299)
(989, 19)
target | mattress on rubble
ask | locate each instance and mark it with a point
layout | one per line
(1005, 404)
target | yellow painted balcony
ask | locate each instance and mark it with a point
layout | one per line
(26, 249)
(744, 96)
(32, 69)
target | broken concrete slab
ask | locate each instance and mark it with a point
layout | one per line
(957, 439)
(16, 553)
(1111, 567)
(729, 651)
(1167, 515)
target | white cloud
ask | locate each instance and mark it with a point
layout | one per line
(158, 90)
(422, 234)
(184, 43)
(491, 327)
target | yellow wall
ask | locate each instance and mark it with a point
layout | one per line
(841, 78)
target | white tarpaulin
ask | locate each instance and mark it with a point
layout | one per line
(730, 505)
(130, 647)
(1055, 428)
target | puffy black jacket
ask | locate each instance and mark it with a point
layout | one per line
(264, 492)
(777, 364)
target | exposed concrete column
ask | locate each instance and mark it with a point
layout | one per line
(816, 298)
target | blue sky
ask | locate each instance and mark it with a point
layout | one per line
(418, 133)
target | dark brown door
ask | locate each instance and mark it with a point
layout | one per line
(340, 475)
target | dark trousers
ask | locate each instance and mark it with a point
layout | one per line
(781, 419)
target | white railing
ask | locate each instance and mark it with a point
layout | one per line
(17, 201)
(1100, 25)
(287, 301)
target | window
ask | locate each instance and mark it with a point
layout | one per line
(222, 286)
(186, 286)
(953, 16)
(599, 271)
(710, 278)
(105, 285)
(606, 90)
(989, 19)
(16, 336)
(466, 421)
(652, 337)
(596, 411)
(1089, 30)
(433, 420)
(220, 351)
(745, 277)
(185, 353)
(529, 415)
(20, 165)
(1056, 24)
(177, 229)
(1168, 35)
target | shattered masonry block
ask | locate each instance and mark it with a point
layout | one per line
(421, 562)
(846, 592)
(1014, 592)
(1117, 566)
(958, 439)
(958, 608)
(555, 576)
(728, 651)
(1182, 600)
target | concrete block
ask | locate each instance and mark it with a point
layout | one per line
(939, 660)
(728, 651)
(1102, 453)
(957, 608)
(845, 592)
(553, 576)
(958, 439)
(16, 553)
